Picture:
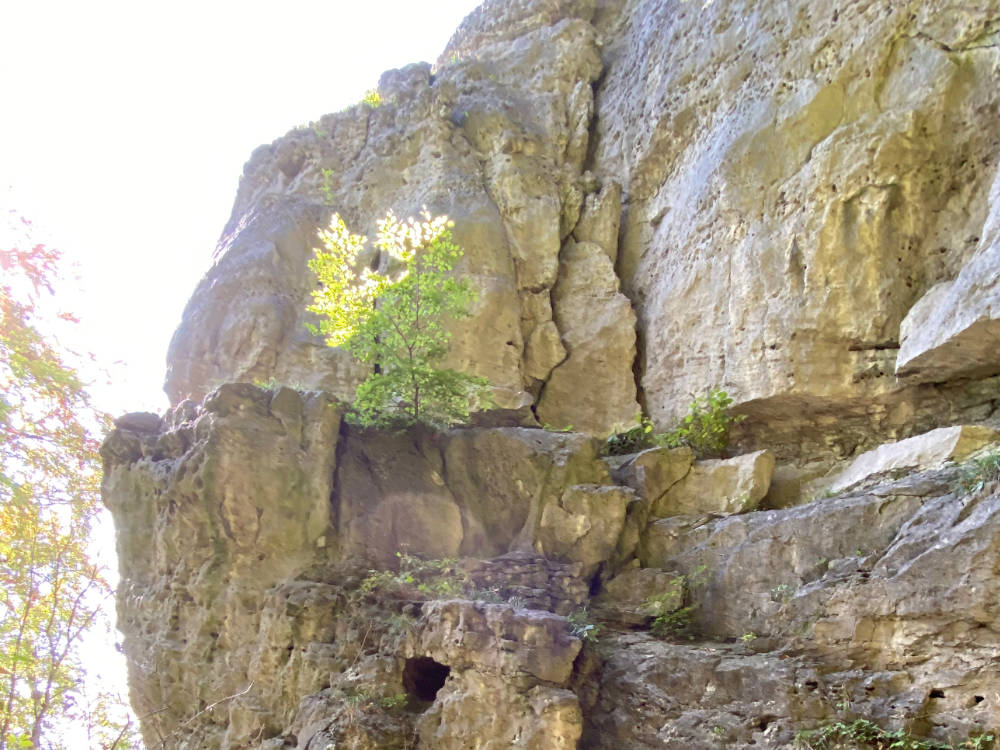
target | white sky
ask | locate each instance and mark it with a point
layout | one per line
(126, 125)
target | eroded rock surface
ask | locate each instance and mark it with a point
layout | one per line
(283, 566)
(795, 179)
(655, 198)
(496, 139)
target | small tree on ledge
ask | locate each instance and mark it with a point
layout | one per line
(395, 321)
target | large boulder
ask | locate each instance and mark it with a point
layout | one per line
(927, 451)
(718, 486)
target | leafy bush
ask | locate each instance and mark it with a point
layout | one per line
(418, 578)
(862, 731)
(582, 625)
(974, 475)
(706, 427)
(670, 619)
(395, 321)
(372, 98)
(676, 624)
(632, 440)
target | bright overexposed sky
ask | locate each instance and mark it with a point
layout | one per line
(126, 125)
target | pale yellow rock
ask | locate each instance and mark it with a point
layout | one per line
(954, 329)
(585, 525)
(594, 389)
(521, 643)
(927, 451)
(481, 710)
(652, 472)
(600, 218)
(719, 486)
(791, 191)
(543, 351)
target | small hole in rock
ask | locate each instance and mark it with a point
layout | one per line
(423, 677)
(978, 698)
(937, 693)
(763, 722)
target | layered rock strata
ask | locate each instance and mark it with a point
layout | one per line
(267, 602)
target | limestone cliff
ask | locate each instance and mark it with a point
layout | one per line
(798, 202)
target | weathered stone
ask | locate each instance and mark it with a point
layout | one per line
(543, 350)
(497, 637)
(788, 200)
(927, 451)
(141, 421)
(503, 478)
(600, 218)
(209, 514)
(481, 710)
(650, 694)
(954, 329)
(729, 485)
(652, 472)
(393, 498)
(626, 598)
(585, 525)
(594, 389)
(533, 581)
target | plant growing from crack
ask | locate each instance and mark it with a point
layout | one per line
(395, 321)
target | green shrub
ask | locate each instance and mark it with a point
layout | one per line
(396, 322)
(582, 625)
(974, 475)
(677, 624)
(864, 732)
(372, 98)
(631, 440)
(706, 427)
(670, 619)
(418, 578)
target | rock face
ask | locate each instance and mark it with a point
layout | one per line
(954, 329)
(655, 198)
(794, 182)
(786, 199)
(287, 570)
(497, 141)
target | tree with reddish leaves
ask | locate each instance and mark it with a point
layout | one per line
(52, 593)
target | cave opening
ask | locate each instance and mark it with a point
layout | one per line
(423, 677)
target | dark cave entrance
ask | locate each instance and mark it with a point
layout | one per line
(423, 677)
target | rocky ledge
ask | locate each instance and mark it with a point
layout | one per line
(289, 581)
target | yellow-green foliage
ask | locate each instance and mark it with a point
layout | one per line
(419, 578)
(396, 320)
(372, 98)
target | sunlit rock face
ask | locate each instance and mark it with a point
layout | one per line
(796, 202)
(496, 139)
(796, 177)
(776, 186)
(267, 554)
